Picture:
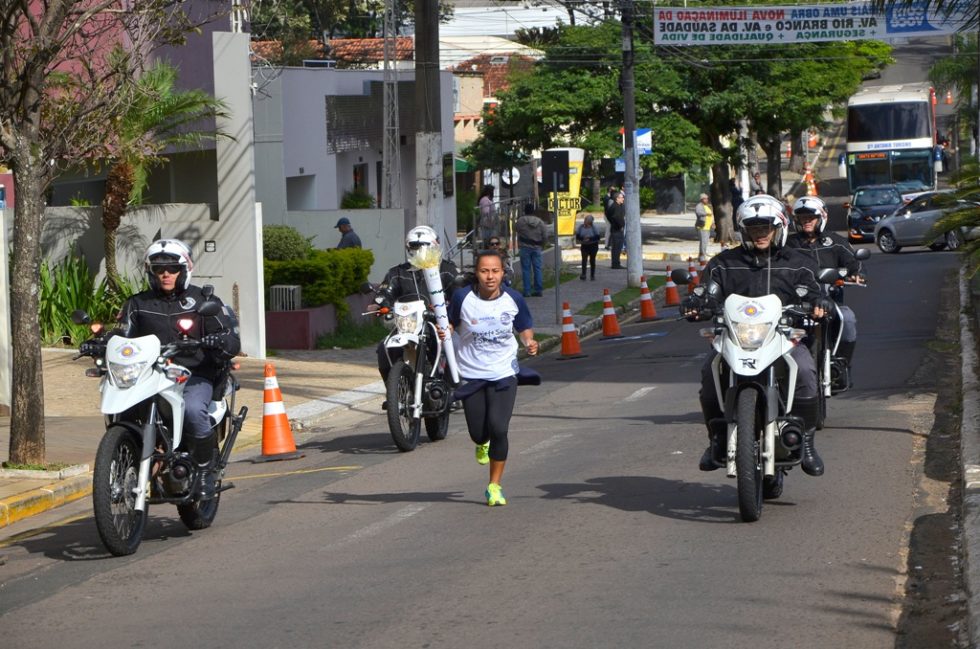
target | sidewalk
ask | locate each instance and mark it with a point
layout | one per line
(314, 384)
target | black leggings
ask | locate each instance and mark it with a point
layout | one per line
(589, 251)
(488, 414)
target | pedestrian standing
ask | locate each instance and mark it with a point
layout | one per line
(532, 233)
(487, 225)
(616, 218)
(348, 238)
(485, 315)
(704, 221)
(587, 235)
(608, 202)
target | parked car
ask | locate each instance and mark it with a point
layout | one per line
(867, 206)
(914, 224)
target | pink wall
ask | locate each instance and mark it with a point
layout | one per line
(7, 180)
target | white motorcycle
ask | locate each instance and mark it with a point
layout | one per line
(755, 377)
(418, 388)
(140, 460)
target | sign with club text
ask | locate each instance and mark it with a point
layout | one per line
(804, 23)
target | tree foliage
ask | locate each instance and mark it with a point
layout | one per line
(64, 65)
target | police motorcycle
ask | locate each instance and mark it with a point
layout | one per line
(755, 376)
(142, 458)
(833, 368)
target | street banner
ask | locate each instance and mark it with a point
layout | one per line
(569, 202)
(804, 23)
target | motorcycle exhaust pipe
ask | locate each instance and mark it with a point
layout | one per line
(791, 436)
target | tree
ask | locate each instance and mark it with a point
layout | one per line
(156, 118)
(63, 67)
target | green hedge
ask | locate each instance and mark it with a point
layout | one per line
(282, 242)
(327, 276)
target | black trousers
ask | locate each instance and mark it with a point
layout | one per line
(589, 251)
(488, 413)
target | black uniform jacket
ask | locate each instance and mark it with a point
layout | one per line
(828, 250)
(776, 271)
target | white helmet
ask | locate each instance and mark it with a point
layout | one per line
(762, 209)
(418, 237)
(811, 206)
(169, 251)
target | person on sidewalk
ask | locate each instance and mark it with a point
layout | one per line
(532, 233)
(171, 296)
(407, 280)
(487, 224)
(762, 266)
(704, 220)
(485, 315)
(588, 236)
(348, 238)
(616, 218)
(607, 202)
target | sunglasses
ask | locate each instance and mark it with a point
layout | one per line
(172, 269)
(494, 243)
(415, 245)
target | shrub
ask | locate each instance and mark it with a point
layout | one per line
(646, 198)
(327, 276)
(357, 199)
(283, 242)
(466, 202)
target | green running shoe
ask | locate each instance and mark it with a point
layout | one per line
(483, 453)
(494, 495)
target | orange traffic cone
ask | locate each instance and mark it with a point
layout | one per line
(647, 310)
(570, 347)
(693, 272)
(672, 296)
(277, 438)
(610, 326)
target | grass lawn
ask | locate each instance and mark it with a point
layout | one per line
(622, 297)
(353, 336)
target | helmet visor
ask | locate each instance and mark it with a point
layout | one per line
(759, 230)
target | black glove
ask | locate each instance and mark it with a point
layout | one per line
(92, 348)
(824, 303)
(691, 307)
(212, 341)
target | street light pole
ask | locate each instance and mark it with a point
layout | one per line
(634, 236)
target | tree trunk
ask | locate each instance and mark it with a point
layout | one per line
(774, 177)
(118, 187)
(798, 155)
(596, 181)
(721, 203)
(27, 400)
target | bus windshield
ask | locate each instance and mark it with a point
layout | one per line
(888, 121)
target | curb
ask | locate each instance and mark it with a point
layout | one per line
(969, 457)
(39, 500)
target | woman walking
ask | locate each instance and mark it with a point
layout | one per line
(485, 315)
(588, 237)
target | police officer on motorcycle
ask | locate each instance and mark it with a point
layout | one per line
(763, 265)
(171, 296)
(829, 250)
(407, 280)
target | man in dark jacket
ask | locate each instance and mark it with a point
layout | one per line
(616, 218)
(172, 297)
(763, 266)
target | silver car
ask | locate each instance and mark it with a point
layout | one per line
(914, 224)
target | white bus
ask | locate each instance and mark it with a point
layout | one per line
(891, 138)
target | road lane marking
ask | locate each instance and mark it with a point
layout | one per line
(384, 524)
(639, 394)
(353, 467)
(554, 440)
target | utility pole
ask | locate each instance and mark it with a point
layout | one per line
(391, 161)
(634, 235)
(428, 122)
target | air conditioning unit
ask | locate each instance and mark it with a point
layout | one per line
(285, 297)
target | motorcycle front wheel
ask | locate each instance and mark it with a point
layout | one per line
(114, 482)
(437, 427)
(748, 456)
(404, 428)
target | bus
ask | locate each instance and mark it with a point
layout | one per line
(891, 138)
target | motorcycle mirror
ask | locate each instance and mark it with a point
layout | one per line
(861, 254)
(461, 280)
(79, 317)
(209, 308)
(367, 287)
(680, 276)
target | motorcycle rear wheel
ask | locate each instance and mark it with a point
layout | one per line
(404, 428)
(114, 481)
(748, 456)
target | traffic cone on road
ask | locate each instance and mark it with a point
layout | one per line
(692, 270)
(277, 438)
(610, 326)
(647, 310)
(672, 296)
(570, 347)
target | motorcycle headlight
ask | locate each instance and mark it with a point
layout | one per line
(126, 375)
(751, 335)
(407, 324)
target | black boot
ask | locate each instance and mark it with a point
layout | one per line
(709, 458)
(808, 410)
(204, 451)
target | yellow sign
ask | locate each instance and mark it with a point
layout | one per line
(569, 202)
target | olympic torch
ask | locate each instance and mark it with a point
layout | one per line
(427, 259)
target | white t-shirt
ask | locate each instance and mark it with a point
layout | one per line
(487, 348)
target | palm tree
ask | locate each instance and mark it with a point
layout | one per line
(158, 117)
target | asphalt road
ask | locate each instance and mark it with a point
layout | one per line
(611, 538)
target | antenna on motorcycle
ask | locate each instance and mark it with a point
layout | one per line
(79, 317)
(185, 325)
